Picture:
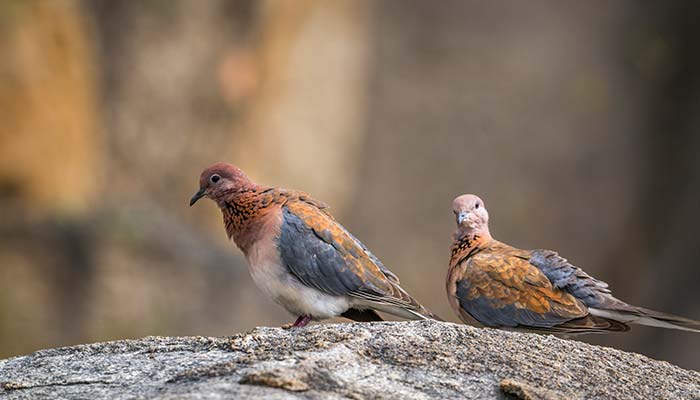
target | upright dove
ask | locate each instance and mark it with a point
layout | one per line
(492, 284)
(300, 256)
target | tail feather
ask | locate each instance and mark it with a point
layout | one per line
(422, 313)
(676, 322)
(643, 316)
(586, 325)
(417, 313)
(427, 314)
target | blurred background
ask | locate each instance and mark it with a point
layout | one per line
(579, 125)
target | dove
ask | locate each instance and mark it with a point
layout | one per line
(300, 256)
(492, 284)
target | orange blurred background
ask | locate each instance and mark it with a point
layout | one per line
(578, 124)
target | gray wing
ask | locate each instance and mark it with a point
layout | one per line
(323, 255)
(566, 276)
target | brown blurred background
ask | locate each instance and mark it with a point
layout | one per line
(578, 124)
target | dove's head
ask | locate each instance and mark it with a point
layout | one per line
(470, 214)
(218, 180)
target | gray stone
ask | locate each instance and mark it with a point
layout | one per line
(401, 360)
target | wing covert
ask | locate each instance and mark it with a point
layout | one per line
(566, 276)
(324, 255)
(503, 290)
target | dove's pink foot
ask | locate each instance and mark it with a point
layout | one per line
(303, 320)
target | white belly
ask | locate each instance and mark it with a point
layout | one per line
(286, 290)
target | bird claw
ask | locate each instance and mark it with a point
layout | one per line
(302, 321)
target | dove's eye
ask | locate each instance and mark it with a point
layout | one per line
(214, 178)
(477, 206)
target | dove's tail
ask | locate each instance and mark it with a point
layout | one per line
(643, 316)
(427, 314)
(414, 313)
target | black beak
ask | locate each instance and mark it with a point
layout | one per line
(200, 193)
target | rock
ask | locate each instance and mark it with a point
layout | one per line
(403, 360)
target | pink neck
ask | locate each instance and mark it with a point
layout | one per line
(463, 233)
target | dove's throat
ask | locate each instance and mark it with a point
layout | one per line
(467, 241)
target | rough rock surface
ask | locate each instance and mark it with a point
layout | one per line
(402, 360)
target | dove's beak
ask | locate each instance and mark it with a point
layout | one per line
(197, 196)
(462, 216)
